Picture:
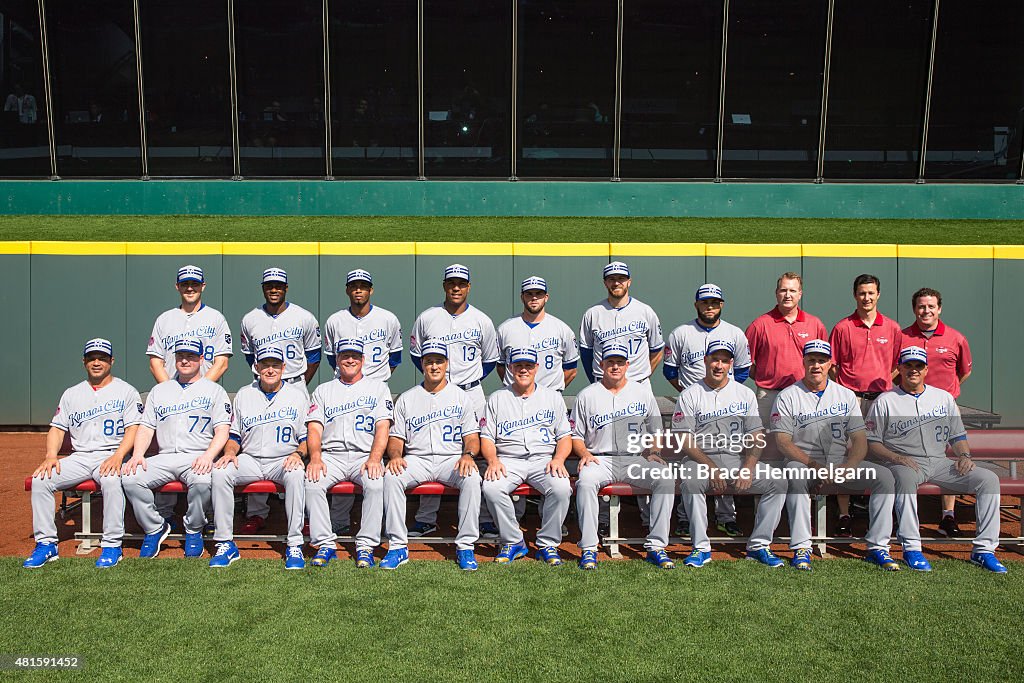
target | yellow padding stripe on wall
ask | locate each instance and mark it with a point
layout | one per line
(173, 248)
(626, 249)
(850, 250)
(944, 251)
(464, 248)
(271, 248)
(367, 248)
(755, 250)
(79, 248)
(15, 247)
(560, 249)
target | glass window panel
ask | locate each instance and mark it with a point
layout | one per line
(95, 87)
(672, 51)
(279, 58)
(24, 148)
(187, 85)
(373, 88)
(566, 88)
(773, 88)
(877, 88)
(467, 98)
(977, 91)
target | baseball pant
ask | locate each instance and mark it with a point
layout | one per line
(556, 492)
(248, 470)
(984, 484)
(431, 468)
(725, 510)
(256, 504)
(769, 510)
(345, 467)
(341, 510)
(628, 469)
(165, 503)
(160, 470)
(75, 469)
(881, 486)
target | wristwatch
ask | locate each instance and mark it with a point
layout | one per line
(966, 455)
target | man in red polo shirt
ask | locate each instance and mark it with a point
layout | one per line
(865, 348)
(776, 340)
(949, 364)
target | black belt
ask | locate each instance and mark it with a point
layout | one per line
(869, 395)
(470, 385)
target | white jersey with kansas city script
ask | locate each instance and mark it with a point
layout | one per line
(604, 421)
(688, 344)
(184, 416)
(469, 336)
(634, 325)
(719, 417)
(350, 413)
(523, 426)
(380, 332)
(269, 427)
(434, 424)
(206, 324)
(820, 425)
(294, 330)
(919, 425)
(551, 338)
(96, 420)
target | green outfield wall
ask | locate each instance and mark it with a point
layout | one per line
(503, 198)
(58, 294)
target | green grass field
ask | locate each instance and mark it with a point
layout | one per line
(508, 229)
(178, 620)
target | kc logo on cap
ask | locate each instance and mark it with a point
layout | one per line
(522, 356)
(534, 282)
(615, 349)
(616, 268)
(98, 346)
(913, 353)
(265, 352)
(818, 346)
(275, 275)
(190, 274)
(435, 347)
(456, 270)
(721, 345)
(709, 291)
(357, 275)
(353, 345)
(189, 346)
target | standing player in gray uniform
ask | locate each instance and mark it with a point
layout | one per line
(434, 437)
(817, 424)
(684, 366)
(722, 429)
(191, 419)
(472, 345)
(557, 351)
(525, 438)
(296, 332)
(607, 417)
(909, 428)
(191, 320)
(381, 334)
(102, 415)
(349, 421)
(268, 431)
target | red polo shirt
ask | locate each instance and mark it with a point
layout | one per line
(865, 356)
(777, 347)
(949, 355)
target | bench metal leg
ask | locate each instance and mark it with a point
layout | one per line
(820, 516)
(613, 525)
(86, 544)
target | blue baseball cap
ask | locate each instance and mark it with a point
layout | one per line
(357, 275)
(913, 353)
(98, 346)
(615, 349)
(456, 270)
(616, 268)
(190, 274)
(721, 345)
(522, 356)
(193, 346)
(265, 352)
(709, 291)
(435, 347)
(534, 282)
(353, 345)
(818, 346)
(275, 275)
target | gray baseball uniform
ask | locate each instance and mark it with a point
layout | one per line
(380, 332)
(524, 431)
(634, 325)
(688, 343)
(551, 338)
(294, 330)
(206, 324)
(96, 420)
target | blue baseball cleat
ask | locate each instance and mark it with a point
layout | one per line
(549, 556)
(988, 561)
(510, 552)
(801, 559)
(395, 558)
(766, 557)
(43, 553)
(152, 542)
(293, 558)
(193, 545)
(916, 560)
(364, 558)
(489, 530)
(588, 560)
(660, 559)
(466, 560)
(227, 552)
(109, 557)
(883, 559)
(697, 559)
(324, 555)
